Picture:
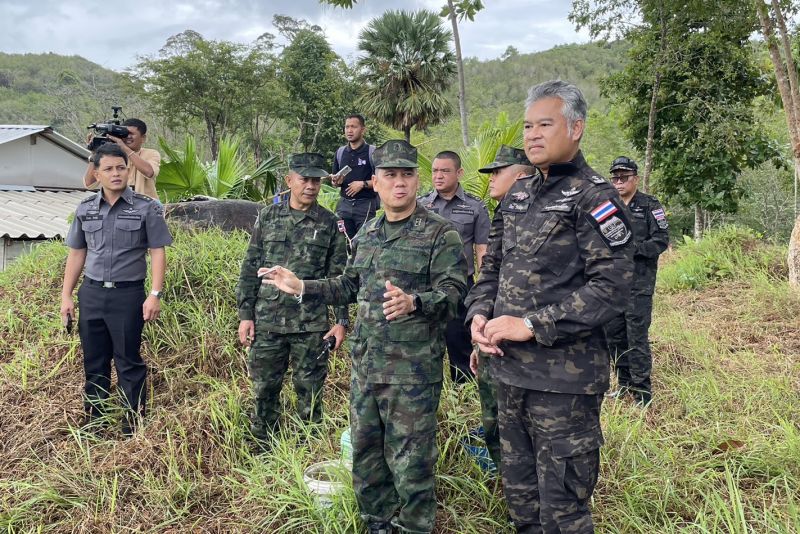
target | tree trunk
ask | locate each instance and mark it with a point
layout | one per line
(699, 222)
(787, 84)
(651, 132)
(407, 132)
(462, 91)
(790, 66)
(794, 256)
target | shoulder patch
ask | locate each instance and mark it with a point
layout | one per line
(615, 231)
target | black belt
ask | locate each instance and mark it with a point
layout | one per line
(112, 285)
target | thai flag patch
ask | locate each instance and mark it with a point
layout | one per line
(659, 215)
(604, 211)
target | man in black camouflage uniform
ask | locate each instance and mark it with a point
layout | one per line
(299, 233)
(508, 166)
(407, 274)
(628, 333)
(558, 267)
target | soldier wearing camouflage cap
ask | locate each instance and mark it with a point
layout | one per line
(558, 268)
(628, 332)
(509, 165)
(303, 235)
(407, 274)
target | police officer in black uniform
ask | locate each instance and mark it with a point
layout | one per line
(627, 333)
(109, 240)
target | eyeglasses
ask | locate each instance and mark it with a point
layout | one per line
(621, 178)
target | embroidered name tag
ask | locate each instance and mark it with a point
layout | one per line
(129, 217)
(558, 207)
(93, 217)
(457, 211)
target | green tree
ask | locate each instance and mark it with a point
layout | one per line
(217, 83)
(704, 133)
(316, 82)
(406, 68)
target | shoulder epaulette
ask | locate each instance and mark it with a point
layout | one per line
(597, 179)
(142, 197)
(473, 197)
(89, 198)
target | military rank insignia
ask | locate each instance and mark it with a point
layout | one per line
(340, 225)
(520, 195)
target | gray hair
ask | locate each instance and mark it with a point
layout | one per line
(574, 103)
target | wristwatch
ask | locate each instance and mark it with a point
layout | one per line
(156, 294)
(529, 325)
(344, 322)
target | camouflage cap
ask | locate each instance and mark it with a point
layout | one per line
(395, 153)
(624, 163)
(308, 165)
(506, 156)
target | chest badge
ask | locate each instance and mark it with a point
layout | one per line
(571, 192)
(130, 211)
(520, 195)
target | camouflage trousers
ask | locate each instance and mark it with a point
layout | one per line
(629, 345)
(551, 458)
(267, 363)
(393, 432)
(487, 392)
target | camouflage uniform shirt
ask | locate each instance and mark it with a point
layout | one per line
(560, 255)
(425, 257)
(312, 248)
(651, 235)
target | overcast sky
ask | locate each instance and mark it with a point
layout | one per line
(114, 34)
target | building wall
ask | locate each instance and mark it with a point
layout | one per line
(42, 164)
(11, 249)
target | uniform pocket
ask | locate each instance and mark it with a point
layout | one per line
(128, 233)
(576, 462)
(93, 230)
(274, 245)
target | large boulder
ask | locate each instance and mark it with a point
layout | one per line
(203, 213)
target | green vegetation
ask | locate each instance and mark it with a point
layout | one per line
(716, 453)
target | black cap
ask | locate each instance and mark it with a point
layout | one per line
(624, 163)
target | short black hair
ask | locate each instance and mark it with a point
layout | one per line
(358, 116)
(449, 154)
(136, 123)
(108, 149)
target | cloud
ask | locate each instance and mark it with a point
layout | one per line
(115, 39)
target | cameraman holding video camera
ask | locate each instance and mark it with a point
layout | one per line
(143, 163)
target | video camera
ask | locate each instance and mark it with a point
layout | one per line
(104, 129)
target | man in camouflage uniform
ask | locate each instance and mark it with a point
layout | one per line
(509, 165)
(407, 274)
(470, 217)
(300, 233)
(557, 269)
(627, 333)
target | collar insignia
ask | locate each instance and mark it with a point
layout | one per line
(520, 195)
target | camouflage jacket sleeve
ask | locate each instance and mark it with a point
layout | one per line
(480, 300)
(657, 238)
(335, 265)
(342, 289)
(448, 277)
(249, 282)
(608, 275)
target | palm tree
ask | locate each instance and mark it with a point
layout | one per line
(407, 67)
(231, 175)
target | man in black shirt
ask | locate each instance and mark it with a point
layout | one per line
(359, 201)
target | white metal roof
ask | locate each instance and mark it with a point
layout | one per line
(37, 214)
(10, 132)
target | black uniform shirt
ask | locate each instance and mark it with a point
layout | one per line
(362, 169)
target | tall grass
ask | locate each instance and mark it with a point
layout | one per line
(719, 450)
